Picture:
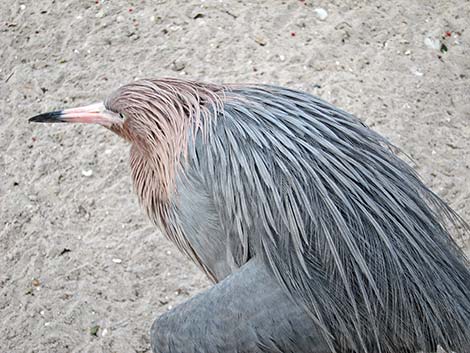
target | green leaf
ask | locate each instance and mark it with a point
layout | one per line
(94, 330)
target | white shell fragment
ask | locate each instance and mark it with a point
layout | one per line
(87, 172)
(432, 43)
(321, 13)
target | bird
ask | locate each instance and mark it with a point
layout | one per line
(318, 237)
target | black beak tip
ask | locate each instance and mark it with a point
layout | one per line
(51, 117)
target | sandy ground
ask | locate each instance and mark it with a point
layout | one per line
(81, 269)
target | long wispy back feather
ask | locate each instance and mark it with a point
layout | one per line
(345, 226)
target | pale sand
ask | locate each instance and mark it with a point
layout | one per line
(369, 59)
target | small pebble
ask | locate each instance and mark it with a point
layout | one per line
(177, 66)
(260, 41)
(117, 261)
(22, 7)
(417, 72)
(198, 15)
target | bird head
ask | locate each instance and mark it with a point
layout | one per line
(100, 113)
(149, 113)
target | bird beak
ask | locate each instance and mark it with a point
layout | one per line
(90, 114)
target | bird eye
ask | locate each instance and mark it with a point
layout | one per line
(121, 116)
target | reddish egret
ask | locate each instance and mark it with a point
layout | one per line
(318, 237)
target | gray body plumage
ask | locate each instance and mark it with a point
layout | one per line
(246, 312)
(346, 229)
